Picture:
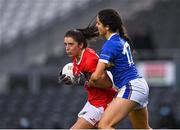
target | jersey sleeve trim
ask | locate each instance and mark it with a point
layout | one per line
(104, 61)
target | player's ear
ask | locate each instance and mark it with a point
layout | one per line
(107, 27)
(81, 45)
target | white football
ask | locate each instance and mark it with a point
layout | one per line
(68, 70)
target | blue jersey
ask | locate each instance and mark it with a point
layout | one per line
(117, 54)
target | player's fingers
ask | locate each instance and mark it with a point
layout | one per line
(68, 82)
(62, 77)
(66, 78)
(60, 72)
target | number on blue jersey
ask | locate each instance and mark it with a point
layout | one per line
(127, 52)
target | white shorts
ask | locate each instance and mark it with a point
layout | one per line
(91, 113)
(137, 90)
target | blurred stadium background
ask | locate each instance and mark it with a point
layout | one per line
(32, 52)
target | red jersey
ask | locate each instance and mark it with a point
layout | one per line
(87, 65)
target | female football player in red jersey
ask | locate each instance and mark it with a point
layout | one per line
(84, 63)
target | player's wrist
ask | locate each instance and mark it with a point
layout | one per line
(89, 83)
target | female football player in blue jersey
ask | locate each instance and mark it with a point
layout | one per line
(116, 56)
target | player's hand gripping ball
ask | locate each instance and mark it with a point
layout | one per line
(66, 74)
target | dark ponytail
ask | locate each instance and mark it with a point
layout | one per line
(123, 33)
(90, 32)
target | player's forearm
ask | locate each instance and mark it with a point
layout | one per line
(99, 85)
(100, 81)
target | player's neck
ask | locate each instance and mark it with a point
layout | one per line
(79, 57)
(111, 34)
(108, 34)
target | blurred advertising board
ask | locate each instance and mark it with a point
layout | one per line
(158, 73)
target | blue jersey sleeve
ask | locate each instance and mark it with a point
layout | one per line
(106, 54)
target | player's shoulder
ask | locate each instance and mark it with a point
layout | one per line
(109, 45)
(114, 44)
(90, 56)
(90, 51)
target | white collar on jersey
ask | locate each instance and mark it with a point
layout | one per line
(80, 57)
(112, 35)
